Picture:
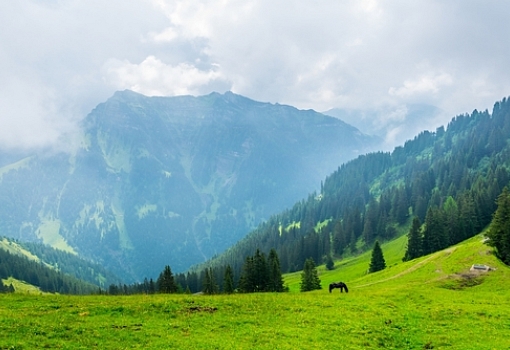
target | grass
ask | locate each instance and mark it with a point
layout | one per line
(428, 303)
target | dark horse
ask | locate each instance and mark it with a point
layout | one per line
(340, 285)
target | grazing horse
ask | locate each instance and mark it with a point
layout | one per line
(340, 285)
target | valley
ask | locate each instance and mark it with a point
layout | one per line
(177, 179)
(419, 304)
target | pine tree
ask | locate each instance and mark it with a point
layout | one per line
(166, 282)
(210, 286)
(377, 263)
(309, 277)
(330, 264)
(152, 286)
(275, 282)
(414, 241)
(260, 271)
(434, 235)
(228, 281)
(499, 231)
(246, 282)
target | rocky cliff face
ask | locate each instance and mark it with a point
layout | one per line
(171, 180)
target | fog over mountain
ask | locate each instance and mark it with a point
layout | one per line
(393, 125)
(170, 180)
(59, 59)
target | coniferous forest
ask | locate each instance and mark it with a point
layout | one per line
(440, 188)
(40, 275)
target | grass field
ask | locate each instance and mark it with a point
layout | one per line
(428, 303)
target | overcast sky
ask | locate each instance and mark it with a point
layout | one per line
(60, 58)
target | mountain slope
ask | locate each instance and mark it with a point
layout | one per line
(160, 181)
(50, 261)
(448, 179)
(448, 268)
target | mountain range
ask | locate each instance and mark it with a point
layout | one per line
(161, 181)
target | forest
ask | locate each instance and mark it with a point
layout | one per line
(440, 188)
(40, 275)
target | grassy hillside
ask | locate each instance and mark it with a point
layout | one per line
(428, 303)
(50, 268)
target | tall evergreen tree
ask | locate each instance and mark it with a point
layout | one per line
(152, 286)
(377, 263)
(499, 231)
(210, 286)
(275, 282)
(228, 281)
(166, 282)
(260, 271)
(247, 280)
(451, 213)
(309, 277)
(434, 235)
(414, 241)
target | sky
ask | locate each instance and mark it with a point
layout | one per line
(61, 58)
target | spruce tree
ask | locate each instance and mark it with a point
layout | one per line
(210, 286)
(228, 281)
(377, 262)
(414, 241)
(260, 271)
(275, 282)
(499, 231)
(330, 264)
(152, 286)
(434, 235)
(309, 277)
(247, 280)
(166, 282)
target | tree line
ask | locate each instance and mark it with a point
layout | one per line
(448, 179)
(259, 274)
(38, 274)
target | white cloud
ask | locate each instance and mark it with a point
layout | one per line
(424, 85)
(63, 58)
(154, 78)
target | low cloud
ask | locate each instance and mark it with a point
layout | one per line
(65, 57)
(427, 84)
(154, 78)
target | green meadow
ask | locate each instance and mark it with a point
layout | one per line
(434, 302)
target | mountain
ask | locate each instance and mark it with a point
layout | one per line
(394, 125)
(447, 180)
(44, 269)
(161, 181)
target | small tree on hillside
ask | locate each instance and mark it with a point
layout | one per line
(330, 264)
(499, 231)
(414, 241)
(228, 281)
(275, 282)
(377, 263)
(260, 271)
(309, 277)
(166, 282)
(246, 282)
(210, 285)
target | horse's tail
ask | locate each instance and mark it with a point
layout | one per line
(330, 287)
(346, 289)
